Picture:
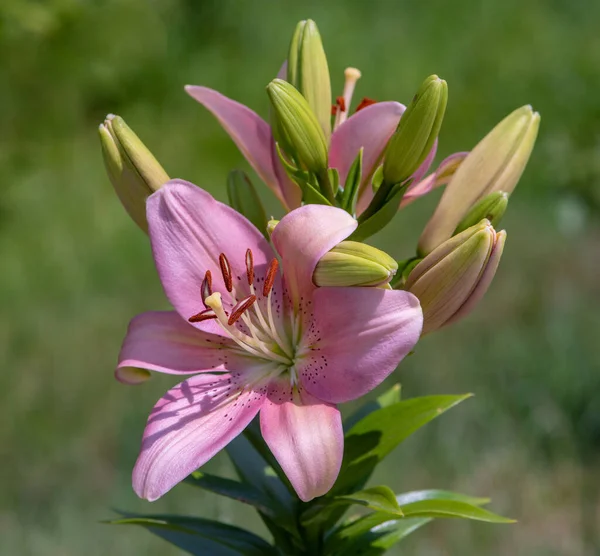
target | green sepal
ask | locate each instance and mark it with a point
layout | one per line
(352, 185)
(370, 440)
(199, 536)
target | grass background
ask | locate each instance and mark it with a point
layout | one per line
(74, 269)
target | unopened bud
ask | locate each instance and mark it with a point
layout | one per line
(271, 226)
(244, 198)
(354, 264)
(451, 280)
(417, 131)
(495, 164)
(308, 71)
(298, 124)
(492, 208)
(131, 167)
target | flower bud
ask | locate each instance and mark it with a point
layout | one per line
(243, 198)
(354, 264)
(451, 280)
(308, 71)
(131, 167)
(492, 208)
(417, 131)
(271, 226)
(298, 123)
(495, 164)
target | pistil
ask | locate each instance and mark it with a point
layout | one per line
(352, 75)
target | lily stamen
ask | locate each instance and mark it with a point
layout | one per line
(226, 271)
(352, 75)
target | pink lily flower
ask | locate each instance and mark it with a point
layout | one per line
(255, 340)
(370, 127)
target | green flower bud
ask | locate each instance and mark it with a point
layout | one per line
(308, 71)
(491, 207)
(243, 198)
(298, 123)
(131, 167)
(417, 131)
(271, 226)
(451, 280)
(495, 164)
(354, 264)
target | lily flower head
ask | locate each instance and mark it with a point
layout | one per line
(256, 335)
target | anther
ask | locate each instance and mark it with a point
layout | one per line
(249, 267)
(239, 309)
(226, 271)
(206, 288)
(341, 102)
(364, 103)
(270, 278)
(207, 314)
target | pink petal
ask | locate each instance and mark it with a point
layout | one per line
(426, 164)
(248, 130)
(189, 229)
(358, 337)
(188, 426)
(441, 176)
(164, 342)
(303, 236)
(305, 436)
(370, 128)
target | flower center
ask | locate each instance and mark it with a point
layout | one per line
(251, 322)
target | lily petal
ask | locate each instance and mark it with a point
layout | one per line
(358, 337)
(305, 436)
(441, 176)
(248, 130)
(370, 128)
(162, 341)
(189, 229)
(188, 426)
(321, 228)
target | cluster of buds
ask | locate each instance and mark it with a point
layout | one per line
(370, 164)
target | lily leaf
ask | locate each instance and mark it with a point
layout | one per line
(370, 224)
(375, 533)
(378, 498)
(377, 434)
(386, 399)
(243, 492)
(352, 185)
(200, 536)
(372, 534)
(451, 508)
(435, 494)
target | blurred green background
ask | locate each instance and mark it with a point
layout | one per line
(75, 269)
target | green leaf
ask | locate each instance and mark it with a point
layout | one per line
(435, 494)
(243, 492)
(378, 498)
(200, 536)
(377, 434)
(386, 399)
(452, 508)
(372, 534)
(375, 533)
(371, 223)
(352, 185)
